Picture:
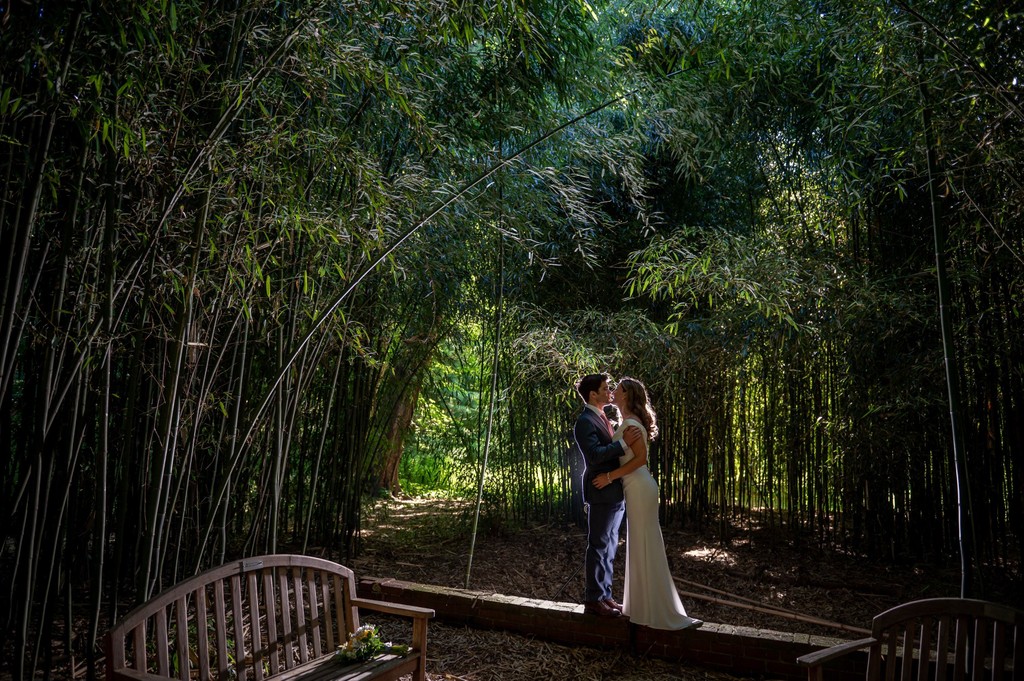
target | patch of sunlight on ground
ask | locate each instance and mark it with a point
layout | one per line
(713, 555)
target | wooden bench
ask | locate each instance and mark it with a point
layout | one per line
(936, 638)
(281, 617)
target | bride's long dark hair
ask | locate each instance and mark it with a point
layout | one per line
(638, 403)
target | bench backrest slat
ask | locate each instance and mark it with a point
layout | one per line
(289, 650)
(924, 647)
(906, 635)
(255, 626)
(325, 599)
(202, 633)
(998, 645)
(300, 609)
(314, 613)
(181, 618)
(139, 645)
(890, 654)
(960, 649)
(978, 650)
(271, 601)
(220, 629)
(241, 661)
(347, 614)
(163, 662)
(942, 649)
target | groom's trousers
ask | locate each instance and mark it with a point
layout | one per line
(603, 521)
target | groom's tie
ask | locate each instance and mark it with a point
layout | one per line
(607, 424)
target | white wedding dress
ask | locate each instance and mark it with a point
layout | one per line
(650, 597)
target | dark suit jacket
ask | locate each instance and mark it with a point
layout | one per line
(600, 454)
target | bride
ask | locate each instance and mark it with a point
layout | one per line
(650, 596)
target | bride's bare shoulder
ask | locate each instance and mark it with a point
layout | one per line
(634, 422)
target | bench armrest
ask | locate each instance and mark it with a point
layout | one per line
(819, 657)
(394, 608)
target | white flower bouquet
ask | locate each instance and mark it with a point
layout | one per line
(365, 644)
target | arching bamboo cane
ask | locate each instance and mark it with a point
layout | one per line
(963, 492)
(490, 407)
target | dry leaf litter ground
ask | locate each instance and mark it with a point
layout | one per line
(428, 540)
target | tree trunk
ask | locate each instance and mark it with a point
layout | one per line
(398, 426)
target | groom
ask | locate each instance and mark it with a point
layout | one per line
(606, 506)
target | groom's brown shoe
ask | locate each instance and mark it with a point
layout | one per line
(601, 609)
(610, 602)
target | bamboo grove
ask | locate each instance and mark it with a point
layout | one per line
(206, 353)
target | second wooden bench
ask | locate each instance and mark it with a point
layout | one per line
(279, 616)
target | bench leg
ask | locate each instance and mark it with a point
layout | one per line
(419, 642)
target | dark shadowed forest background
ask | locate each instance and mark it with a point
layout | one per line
(265, 261)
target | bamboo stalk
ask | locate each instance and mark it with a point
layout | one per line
(25, 224)
(490, 411)
(770, 610)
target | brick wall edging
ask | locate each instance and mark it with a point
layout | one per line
(761, 653)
